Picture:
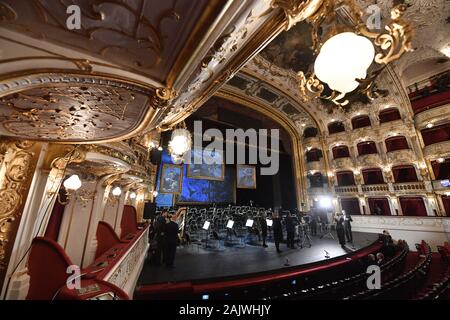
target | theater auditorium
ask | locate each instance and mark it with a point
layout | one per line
(224, 150)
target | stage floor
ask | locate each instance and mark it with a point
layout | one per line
(194, 262)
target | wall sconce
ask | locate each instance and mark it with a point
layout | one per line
(71, 184)
(155, 193)
(440, 160)
(116, 191)
(133, 195)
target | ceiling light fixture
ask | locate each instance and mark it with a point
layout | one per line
(180, 143)
(345, 54)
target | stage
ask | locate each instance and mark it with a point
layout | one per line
(194, 262)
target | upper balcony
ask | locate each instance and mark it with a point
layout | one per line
(401, 156)
(437, 150)
(343, 163)
(369, 160)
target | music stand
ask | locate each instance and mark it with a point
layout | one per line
(205, 227)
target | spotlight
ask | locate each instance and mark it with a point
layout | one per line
(205, 297)
(72, 183)
(116, 191)
(230, 224)
(249, 223)
(206, 225)
(325, 202)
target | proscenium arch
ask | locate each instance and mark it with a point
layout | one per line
(297, 148)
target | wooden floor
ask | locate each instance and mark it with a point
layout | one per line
(195, 262)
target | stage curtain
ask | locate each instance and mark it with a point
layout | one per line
(396, 143)
(340, 152)
(372, 176)
(413, 206)
(54, 223)
(310, 132)
(336, 127)
(351, 205)
(360, 122)
(387, 115)
(382, 203)
(446, 201)
(441, 170)
(345, 178)
(436, 134)
(404, 174)
(368, 147)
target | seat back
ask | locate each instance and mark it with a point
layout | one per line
(129, 223)
(47, 268)
(106, 238)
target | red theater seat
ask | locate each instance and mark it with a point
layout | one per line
(106, 238)
(129, 224)
(47, 266)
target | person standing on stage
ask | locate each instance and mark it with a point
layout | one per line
(290, 231)
(348, 227)
(263, 224)
(158, 241)
(339, 218)
(277, 230)
(170, 244)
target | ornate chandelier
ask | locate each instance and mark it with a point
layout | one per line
(180, 143)
(346, 52)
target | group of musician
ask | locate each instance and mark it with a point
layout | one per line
(165, 229)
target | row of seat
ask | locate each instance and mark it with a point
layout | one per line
(440, 289)
(48, 263)
(403, 286)
(342, 286)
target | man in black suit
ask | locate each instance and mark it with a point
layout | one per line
(277, 230)
(171, 236)
(158, 240)
(290, 231)
(348, 227)
(263, 225)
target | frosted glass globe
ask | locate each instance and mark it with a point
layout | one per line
(72, 183)
(343, 59)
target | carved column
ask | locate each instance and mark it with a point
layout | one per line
(18, 160)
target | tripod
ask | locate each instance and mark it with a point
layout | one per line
(305, 237)
(327, 232)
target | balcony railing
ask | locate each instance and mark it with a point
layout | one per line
(409, 187)
(375, 188)
(346, 189)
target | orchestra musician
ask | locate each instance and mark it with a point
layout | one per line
(277, 230)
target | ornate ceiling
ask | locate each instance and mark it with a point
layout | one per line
(157, 61)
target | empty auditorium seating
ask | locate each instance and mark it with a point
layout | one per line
(129, 225)
(47, 268)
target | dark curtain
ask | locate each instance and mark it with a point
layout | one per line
(367, 148)
(404, 174)
(310, 132)
(389, 115)
(313, 155)
(336, 127)
(446, 201)
(341, 152)
(351, 205)
(396, 143)
(430, 102)
(441, 170)
(316, 180)
(436, 134)
(413, 206)
(373, 176)
(360, 122)
(54, 223)
(382, 204)
(345, 178)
